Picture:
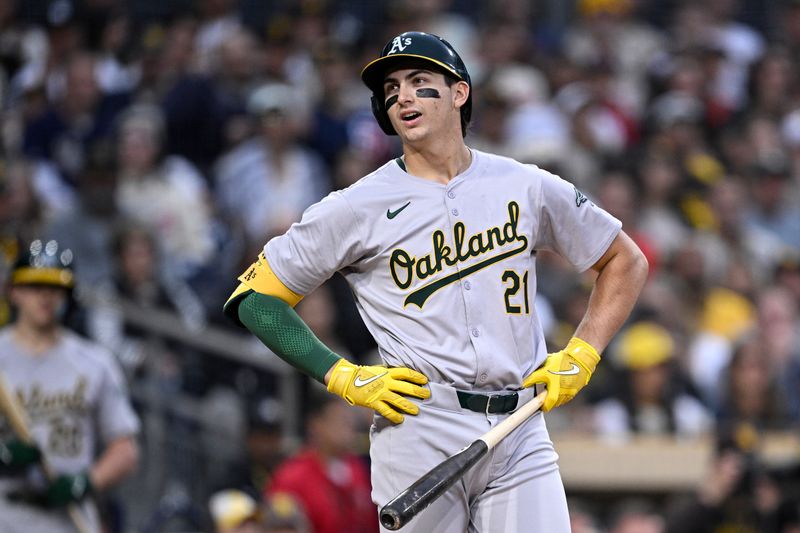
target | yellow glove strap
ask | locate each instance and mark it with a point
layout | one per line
(584, 354)
(565, 372)
(342, 375)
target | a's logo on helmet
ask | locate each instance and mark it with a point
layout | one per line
(398, 45)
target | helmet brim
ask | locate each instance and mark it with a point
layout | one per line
(375, 71)
(52, 277)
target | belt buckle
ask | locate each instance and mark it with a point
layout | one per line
(489, 401)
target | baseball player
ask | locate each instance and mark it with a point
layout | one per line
(74, 397)
(439, 247)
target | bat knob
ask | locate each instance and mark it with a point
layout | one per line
(390, 519)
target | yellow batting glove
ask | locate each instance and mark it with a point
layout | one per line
(378, 387)
(565, 372)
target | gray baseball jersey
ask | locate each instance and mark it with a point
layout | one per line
(76, 401)
(444, 275)
(444, 278)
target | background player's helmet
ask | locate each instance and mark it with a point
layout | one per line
(44, 263)
(408, 46)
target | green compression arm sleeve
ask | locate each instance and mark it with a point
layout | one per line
(281, 330)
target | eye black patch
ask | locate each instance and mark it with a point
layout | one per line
(428, 93)
(390, 101)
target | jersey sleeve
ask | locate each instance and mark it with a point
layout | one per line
(327, 239)
(572, 225)
(115, 415)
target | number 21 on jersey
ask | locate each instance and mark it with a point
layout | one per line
(514, 282)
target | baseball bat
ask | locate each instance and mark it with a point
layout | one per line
(441, 477)
(18, 420)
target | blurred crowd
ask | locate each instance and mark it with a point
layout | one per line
(165, 141)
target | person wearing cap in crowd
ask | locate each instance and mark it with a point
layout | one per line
(649, 400)
(234, 511)
(725, 316)
(263, 449)
(75, 399)
(282, 514)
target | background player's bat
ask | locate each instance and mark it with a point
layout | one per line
(430, 486)
(18, 420)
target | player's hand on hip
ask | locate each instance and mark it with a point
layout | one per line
(381, 388)
(565, 372)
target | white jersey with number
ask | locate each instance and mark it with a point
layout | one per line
(76, 401)
(444, 275)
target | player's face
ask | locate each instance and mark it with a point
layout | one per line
(421, 105)
(39, 307)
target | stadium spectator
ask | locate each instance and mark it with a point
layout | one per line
(58, 140)
(139, 280)
(326, 477)
(193, 113)
(650, 399)
(88, 227)
(720, 321)
(233, 511)
(737, 493)
(752, 394)
(772, 208)
(264, 449)
(236, 74)
(163, 192)
(273, 165)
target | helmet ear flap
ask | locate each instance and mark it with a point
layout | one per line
(381, 116)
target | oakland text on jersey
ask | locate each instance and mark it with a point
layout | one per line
(405, 268)
(39, 402)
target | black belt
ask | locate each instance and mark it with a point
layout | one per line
(488, 403)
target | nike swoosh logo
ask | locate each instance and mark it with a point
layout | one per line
(391, 214)
(571, 372)
(361, 382)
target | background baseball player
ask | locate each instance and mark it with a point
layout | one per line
(74, 397)
(439, 247)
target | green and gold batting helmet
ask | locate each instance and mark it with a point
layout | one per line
(409, 47)
(44, 263)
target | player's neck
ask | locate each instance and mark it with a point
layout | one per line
(36, 339)
(439, 162)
